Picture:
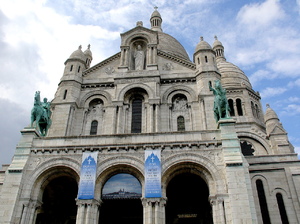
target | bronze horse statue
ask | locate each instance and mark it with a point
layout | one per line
(40, 114)
(221, 106)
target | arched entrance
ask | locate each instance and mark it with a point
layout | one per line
(121, 197)
(187, 202)
(59, 205)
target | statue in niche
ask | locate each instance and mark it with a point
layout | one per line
(139, 58)
(221, 106)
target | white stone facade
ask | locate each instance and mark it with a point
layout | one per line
(247, 163)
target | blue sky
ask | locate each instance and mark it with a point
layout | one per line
(262, 37)
(124, 182)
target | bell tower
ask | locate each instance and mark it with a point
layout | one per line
(66, 97)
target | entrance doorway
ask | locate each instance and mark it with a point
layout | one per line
(59, 205)
(187, 202)
(121, 197)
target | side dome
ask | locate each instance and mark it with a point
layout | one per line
(270, 114)
(172, 46)
(155, 14)
(202, 45)
(78, 54)
(88, 52)
(232, 76)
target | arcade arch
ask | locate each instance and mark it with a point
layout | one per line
(121, 192)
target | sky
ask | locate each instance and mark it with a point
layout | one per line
(261, 37)
(122, 181)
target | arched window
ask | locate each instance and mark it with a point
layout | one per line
(71, 68)
(79, 68)
(253, 109)
(136, 121)
(283, 215)
(94, 127)
(239, 107)
(263, 202)
(247, 148)
(206, 59)
(256, 111)
(180, 124)
(65, 94)
(230, 102)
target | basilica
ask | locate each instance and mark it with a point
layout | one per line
(136, 139)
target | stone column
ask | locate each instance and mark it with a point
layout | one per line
(217, 204)
(170, 106)
(151, 120)
(24, 213)
(190, 111)
(33, 208)
(154, 210)
(213, 204)
(155, 55)
(114, 120)
(124, 56)
(157, 108)
(87, 212)
(203, 117)
(120, 120)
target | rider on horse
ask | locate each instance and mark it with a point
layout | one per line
(41, 113)
(221, 106)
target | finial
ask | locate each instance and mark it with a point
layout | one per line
(155, 7)
(89, 46)
(139, 23)
(201, 38)
(268, 105)
(79, 48)
(216, 38)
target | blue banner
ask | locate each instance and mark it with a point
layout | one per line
(88, 175)
(152, 174)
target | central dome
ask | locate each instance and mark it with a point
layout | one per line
(172, 46)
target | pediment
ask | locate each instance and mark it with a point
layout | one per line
(177, 60)
(109, 65)
(139, 32)
(278, 130)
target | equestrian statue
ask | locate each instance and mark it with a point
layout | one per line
(40, 114)
(221, 106)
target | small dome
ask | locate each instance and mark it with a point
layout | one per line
(155, 13)
(78, 54)
(202, 45)
(217, 43)
(170, 45)
(270, 114)
(88, 52)
(232, 76)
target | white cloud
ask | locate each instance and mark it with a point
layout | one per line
(271, 92)
(260, 15)
(289, 66)
(297, 150)
(261, 75)
(292, 109)
(294, 83)
(298, 4)
(294, 99)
